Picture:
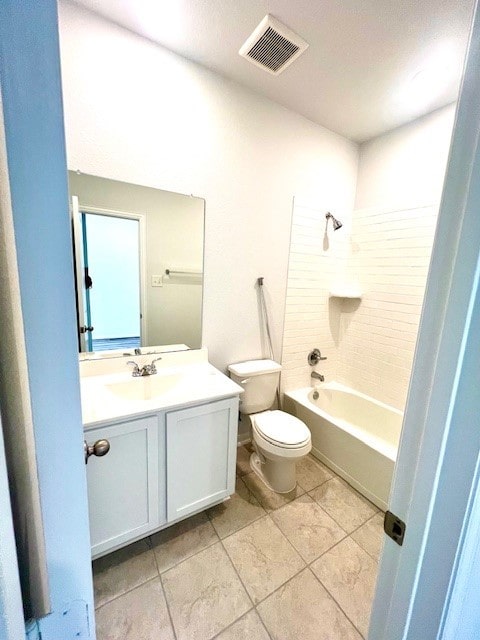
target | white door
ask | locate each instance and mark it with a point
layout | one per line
(440, 444)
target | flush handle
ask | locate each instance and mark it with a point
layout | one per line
(99, 448)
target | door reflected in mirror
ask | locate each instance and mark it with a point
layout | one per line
(139, 266)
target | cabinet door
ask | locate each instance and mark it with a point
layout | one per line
(123, 486)
(201, 446)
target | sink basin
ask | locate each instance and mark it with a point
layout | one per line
(146, 387)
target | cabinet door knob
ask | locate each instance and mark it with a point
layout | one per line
(98, 448)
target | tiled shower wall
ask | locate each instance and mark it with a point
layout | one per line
(318, 259)
(370, 342)
(390, 254)
(385, 248)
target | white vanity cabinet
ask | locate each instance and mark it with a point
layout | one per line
(160, 469)
(126, 493)
(201, 453)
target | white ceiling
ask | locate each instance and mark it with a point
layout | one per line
(356, 76)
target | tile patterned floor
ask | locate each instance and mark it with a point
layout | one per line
(261, 566)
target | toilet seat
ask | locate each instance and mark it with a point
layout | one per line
(281, 429)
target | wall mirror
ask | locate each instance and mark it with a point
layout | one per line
(138, 266)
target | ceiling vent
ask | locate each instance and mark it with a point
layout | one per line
(273, 46)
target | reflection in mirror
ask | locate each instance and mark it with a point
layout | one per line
(139, 266)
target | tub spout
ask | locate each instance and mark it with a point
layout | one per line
(318, 376)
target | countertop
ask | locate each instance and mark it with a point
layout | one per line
(184, 381)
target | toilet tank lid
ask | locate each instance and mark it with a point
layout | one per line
(254, 367)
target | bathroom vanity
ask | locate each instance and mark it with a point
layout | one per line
(172, 436)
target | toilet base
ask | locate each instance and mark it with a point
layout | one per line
(277, 475)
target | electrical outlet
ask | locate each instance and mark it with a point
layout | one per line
(157, 281)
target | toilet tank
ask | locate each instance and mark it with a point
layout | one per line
(259, 378)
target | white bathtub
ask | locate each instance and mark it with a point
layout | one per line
(353, 434)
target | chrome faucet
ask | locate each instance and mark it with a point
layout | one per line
(318, 376)
(146, 370)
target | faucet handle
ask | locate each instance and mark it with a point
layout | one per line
(153, 368)
(314, 357)
(136, 368)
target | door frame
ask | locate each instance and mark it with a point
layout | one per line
(142, 256)
(30, 41)
(11, 606)
(79, 270)
(37, 181)
(436, 468)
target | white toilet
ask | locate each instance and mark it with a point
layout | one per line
(279, 439)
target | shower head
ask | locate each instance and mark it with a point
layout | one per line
(336, 223)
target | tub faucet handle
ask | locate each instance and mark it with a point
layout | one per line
(314, 357)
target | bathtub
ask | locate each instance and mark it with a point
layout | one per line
(353, 434)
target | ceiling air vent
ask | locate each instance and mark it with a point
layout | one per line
(273, 46)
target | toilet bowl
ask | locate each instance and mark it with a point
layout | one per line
(279, 439)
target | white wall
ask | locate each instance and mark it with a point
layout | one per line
(405, 168)
(138, 113)
(370, 344)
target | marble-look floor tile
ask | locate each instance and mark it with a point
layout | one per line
(270, 500)
(231, 515)
(349, 574)
(370, 536)
(303, 610)
(310, 530)
(182, 540)
(345, 505)
(243, 460)
(204, 594)
(140, 614)
(249, 627)
(123, 570)
(263, 557)
(311, 473)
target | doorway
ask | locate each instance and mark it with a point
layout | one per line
(110, 281)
